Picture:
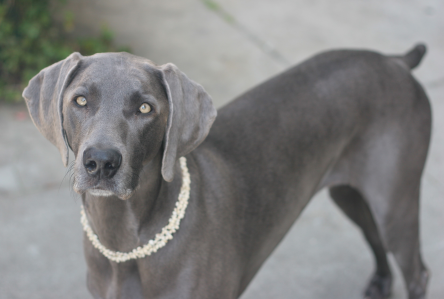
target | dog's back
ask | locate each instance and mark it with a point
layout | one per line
(307, 116)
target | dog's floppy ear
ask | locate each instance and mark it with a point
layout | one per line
(191, 114)
(44, 98)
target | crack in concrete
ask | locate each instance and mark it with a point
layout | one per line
(263, 45)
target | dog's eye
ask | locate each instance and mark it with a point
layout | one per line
(145, 108)
(81, 101)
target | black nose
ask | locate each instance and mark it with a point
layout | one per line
(101, 163)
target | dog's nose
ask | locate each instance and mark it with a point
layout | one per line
(101, 163)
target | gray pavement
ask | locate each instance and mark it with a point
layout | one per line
(228, 46)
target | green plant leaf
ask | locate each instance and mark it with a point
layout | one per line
(31, 39)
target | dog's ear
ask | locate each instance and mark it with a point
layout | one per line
(44, 98)
(191, 114)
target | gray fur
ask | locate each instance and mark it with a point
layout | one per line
(191, 114)
(44, 96)
(356, 122)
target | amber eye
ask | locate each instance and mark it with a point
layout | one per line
(81, 101)
(145, 108)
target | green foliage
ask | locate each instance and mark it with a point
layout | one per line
(31, 39)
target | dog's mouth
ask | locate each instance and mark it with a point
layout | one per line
(100, 192)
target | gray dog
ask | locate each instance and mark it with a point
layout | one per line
(158, 226)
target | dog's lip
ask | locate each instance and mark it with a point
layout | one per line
(97, 188)
(101, 189)
(100, 192)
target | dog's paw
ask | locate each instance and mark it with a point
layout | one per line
(379, 287)
(417, 289)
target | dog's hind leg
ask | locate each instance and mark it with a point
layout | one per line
(402, 235)
(398, 221)
(387, 176)
(390, 179)
(385, 204)
(384, 166)
(355, 207)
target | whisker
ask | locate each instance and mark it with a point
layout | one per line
(69, 170)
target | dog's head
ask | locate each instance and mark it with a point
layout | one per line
(117, 112)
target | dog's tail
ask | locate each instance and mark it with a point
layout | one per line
(413, 57)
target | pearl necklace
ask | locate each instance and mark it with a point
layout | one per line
(161, 238)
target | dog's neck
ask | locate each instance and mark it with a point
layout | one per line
(122, 225)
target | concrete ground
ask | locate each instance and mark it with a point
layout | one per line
(228, 46)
